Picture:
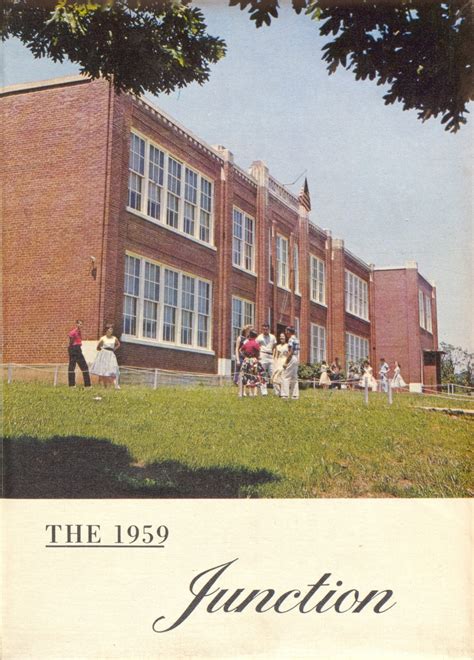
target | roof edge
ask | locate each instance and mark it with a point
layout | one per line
(43, 84)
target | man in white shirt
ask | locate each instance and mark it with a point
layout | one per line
(267, 343)
(289, 381)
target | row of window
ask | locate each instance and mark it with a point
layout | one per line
(169, 191)
(162, 304)
(165, 305)
(424, 309)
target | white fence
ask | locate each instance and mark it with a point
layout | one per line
(57, 374)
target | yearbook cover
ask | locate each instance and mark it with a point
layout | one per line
(237, 350)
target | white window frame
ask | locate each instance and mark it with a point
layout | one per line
(318, 280)
(270, 254)
(158, 179)
(246, 249)
(246, 316)
(421, 308)
(193, 306)
(282, 267)
(357, 348)
(318, 343)
(356, 295)
(296, 268)
(428, 315)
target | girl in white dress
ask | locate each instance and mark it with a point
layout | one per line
(105, 364)
(397, 380)
(280, 353)
(324, 380)
(368, 377)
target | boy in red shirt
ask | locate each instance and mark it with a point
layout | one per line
(76, 357)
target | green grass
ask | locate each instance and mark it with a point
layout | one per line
(205, 442)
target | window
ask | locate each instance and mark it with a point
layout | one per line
(318, 343)
(136, 172)
(243, 240)
(155, 181)
(270, 256)
(421, 308)
(168, 191)
(424, 311)
(164, 305)
(190, 201)
(429, 323)
(318, 280)
(282, 261)
(131, 293)
(243, 313)
(357, 296)
(357, 348)
(296, 268)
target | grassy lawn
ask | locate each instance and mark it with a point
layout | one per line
(205, 442)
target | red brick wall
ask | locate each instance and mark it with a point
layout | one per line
(398, 332)
(55, 150)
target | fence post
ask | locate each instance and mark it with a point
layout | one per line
(389, 393)
(366, 392)
(10, 373)
(155, 379)
(55, 380)
(314, 383)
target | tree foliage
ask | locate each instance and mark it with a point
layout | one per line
(419, 50)
(155, 46)
(457, 365)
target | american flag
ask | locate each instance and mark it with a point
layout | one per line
(303, 197)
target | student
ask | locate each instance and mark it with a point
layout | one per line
(383, 372)
(368, 377)
(267, 343)
(289, 382)
(105, 364)
(397, 380)
(324, 380)
(239, 342)
(76, 356)
(280, 353)
(252, 373)
(335, 375)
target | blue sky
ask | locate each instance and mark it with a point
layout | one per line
(393, 188)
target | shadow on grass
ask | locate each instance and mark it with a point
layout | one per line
(80, 467)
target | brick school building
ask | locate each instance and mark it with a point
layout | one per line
(114, 212)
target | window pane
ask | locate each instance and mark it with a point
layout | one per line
(150, 319)
(154, 200)
(189, 212)
(205, 227)
(174, 176)
(132, 275)
(134, 191)
(137, 154)
(152, 281)
(190, 186)
(206, 195)
(156, 165)
(171, 287)
(130, 315)
(172, 212)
